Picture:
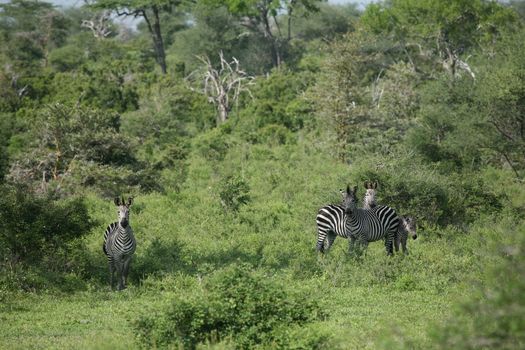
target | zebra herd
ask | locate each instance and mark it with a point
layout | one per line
(371, 223)
(360, 225)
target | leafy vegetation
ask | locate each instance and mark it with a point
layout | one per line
(425, 97)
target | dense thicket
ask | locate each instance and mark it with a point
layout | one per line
(425, 97)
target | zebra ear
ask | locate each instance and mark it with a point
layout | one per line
(347, 189)
(367, 185)
(123, 201)
(117, 200)
(130, 201)
(355, 190)
(375, 185)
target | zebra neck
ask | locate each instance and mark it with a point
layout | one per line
(356, 215)
(124, 231)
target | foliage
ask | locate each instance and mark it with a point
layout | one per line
(80, 147)
(35, 228)
(226, 307)
(344, 103)
(494, 319)
(234, 192)
(439, 31)
(424, 97)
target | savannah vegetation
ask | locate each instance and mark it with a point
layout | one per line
(231, 122)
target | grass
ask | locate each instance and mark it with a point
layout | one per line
(184, 237)
(360, 315)
(100, 319)
(81, 321)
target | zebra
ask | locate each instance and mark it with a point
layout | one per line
(369, 202)
(363, 225)
(119, 243)
(407, 225)
(369, 225)
(331, 222)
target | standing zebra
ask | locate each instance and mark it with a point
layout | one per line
(407, 224)
(119, 243)
(362, 225)
(369, 225)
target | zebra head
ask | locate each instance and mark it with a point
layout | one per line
(123, 210)
(350, 200)
(370, 195)
(410, 225)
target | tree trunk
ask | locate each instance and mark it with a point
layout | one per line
(223, 113)
(276, 55)
(161, 54)
(156, 35)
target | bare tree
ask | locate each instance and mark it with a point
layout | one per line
(100, 24)
(224, 85)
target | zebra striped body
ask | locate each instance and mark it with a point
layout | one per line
(370, 225)
(406, 224)
(331, 222)
(119, 244)
(363, 226)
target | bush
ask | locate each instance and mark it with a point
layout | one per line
(213, 145)
(494, 318)
(31, 227)
(227, 306)
(412, 187)
(278, 100)
(234, 192)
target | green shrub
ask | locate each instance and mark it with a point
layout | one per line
(234, 192)
(235, 303)
(493, 318)
(41, 240)
(213, 145)
(413, 187)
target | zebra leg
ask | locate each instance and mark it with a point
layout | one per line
(321, 236)
(396, 242)
(404, 245)
(351, 244)
(329, 240)
(361, 245)
(389, 243)
(125, 271)
(111, 274)
(120, 275)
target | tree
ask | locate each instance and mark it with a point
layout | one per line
(151, 12)
(223, 86)
(439, 32)
(65, 135)
(260, 17)
(342, 93)
(30, 29)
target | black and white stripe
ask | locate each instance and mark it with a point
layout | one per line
(361, 225)
(331, 222)
(369, 225)
(119, 244)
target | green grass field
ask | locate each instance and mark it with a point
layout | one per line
(372, 301)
